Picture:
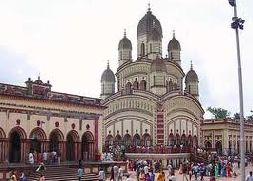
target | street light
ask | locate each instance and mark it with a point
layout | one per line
(238, 24)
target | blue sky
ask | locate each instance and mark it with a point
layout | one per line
(69, 42)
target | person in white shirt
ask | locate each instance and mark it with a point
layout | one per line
(45, 157)
(116, 172)
(120, 176)
(101, 175)
(250, 176)
(31, 158)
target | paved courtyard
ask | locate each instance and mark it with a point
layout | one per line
(180, 177)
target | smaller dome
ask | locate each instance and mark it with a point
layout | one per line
(158, 65)
(108, 75)
(174, 44)
(191, 76)
(125, 43)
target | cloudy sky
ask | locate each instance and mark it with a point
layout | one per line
(69, 42)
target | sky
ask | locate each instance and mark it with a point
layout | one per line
(70, 41)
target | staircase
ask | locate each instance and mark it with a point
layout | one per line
(62, 174)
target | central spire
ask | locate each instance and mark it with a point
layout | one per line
(149, 8)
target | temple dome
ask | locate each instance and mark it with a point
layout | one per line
(125, 43)
(191, 76)
(108, 75)
(174, 44)
(149, 23)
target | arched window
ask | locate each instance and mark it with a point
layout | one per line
(170, 85)
(127, 140)
(135, 84)
(150, 48)
(183, 139)
(190, 141)
(143, 84)
(178, 141)
(142, 49)
(117, 140)
(171, 140)
(146, 140)
(137, 140)
(128, 88)
(175, 86)
(109, 140)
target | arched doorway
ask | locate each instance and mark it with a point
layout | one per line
(16, 135)
(147, 141)
(137, 140)
(127, 140)
(218, 147)
(37, 135)
(87, 147)
(72, 139)
(15, 147)
(55, 138)
(208, 145)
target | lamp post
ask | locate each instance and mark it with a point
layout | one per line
(238, 24)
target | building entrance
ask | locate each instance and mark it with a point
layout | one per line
(15, 147)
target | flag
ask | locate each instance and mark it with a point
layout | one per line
(232, 2)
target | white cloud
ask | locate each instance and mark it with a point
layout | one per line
(70, 41)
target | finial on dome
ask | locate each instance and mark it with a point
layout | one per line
(124, 32)
(191, 65)
(149, 9)
(174, 34)
(39, 76)
(108, 65)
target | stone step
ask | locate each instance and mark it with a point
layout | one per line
(62, 177)
(61, 174)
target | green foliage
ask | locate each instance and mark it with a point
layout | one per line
(219, 113)
(237, 115)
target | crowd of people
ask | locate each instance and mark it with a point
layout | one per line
(46, 157)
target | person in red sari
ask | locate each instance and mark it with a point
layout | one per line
(229, 170)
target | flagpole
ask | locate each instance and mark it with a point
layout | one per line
(238, 23)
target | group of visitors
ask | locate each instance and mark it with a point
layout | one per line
(15, 176)
(46, 157)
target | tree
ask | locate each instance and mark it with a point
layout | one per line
(219, 113)
(237, 115)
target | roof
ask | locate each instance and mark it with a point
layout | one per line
(191, 76)
(125, 43)
(149, 23)
(174, 44)
(108, 75)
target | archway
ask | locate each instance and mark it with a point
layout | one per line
(15, 152)
(143, 85)
(72, 138)
(2, 145)
(137, 140)
(87, 147)
(171, 141)
(36, 136)
(208, 145)
(15, 147)
(142, 49)
(218, 147)
(128, 88)
(54, 140)
(127, 140)
(147, 141)
(117, 140)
